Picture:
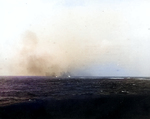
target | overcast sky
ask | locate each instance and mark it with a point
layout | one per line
(83, 37)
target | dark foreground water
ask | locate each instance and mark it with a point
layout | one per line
(76, 97)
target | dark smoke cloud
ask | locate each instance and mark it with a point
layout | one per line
(55, 59)
(31, 62)
(37, 57)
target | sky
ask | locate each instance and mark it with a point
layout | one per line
(82, 37)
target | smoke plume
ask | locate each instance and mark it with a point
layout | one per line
(67, 43)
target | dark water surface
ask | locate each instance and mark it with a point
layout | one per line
(81, 97)
(18, 89)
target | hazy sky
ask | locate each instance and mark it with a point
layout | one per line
(83, 37)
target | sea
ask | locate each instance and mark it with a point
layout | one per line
(16, 89)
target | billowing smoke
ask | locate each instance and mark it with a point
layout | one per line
(69, 41)
(37, 57)
(57, 57)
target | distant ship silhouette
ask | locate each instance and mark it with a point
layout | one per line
(63, 75)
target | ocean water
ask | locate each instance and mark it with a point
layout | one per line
(22, 89)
